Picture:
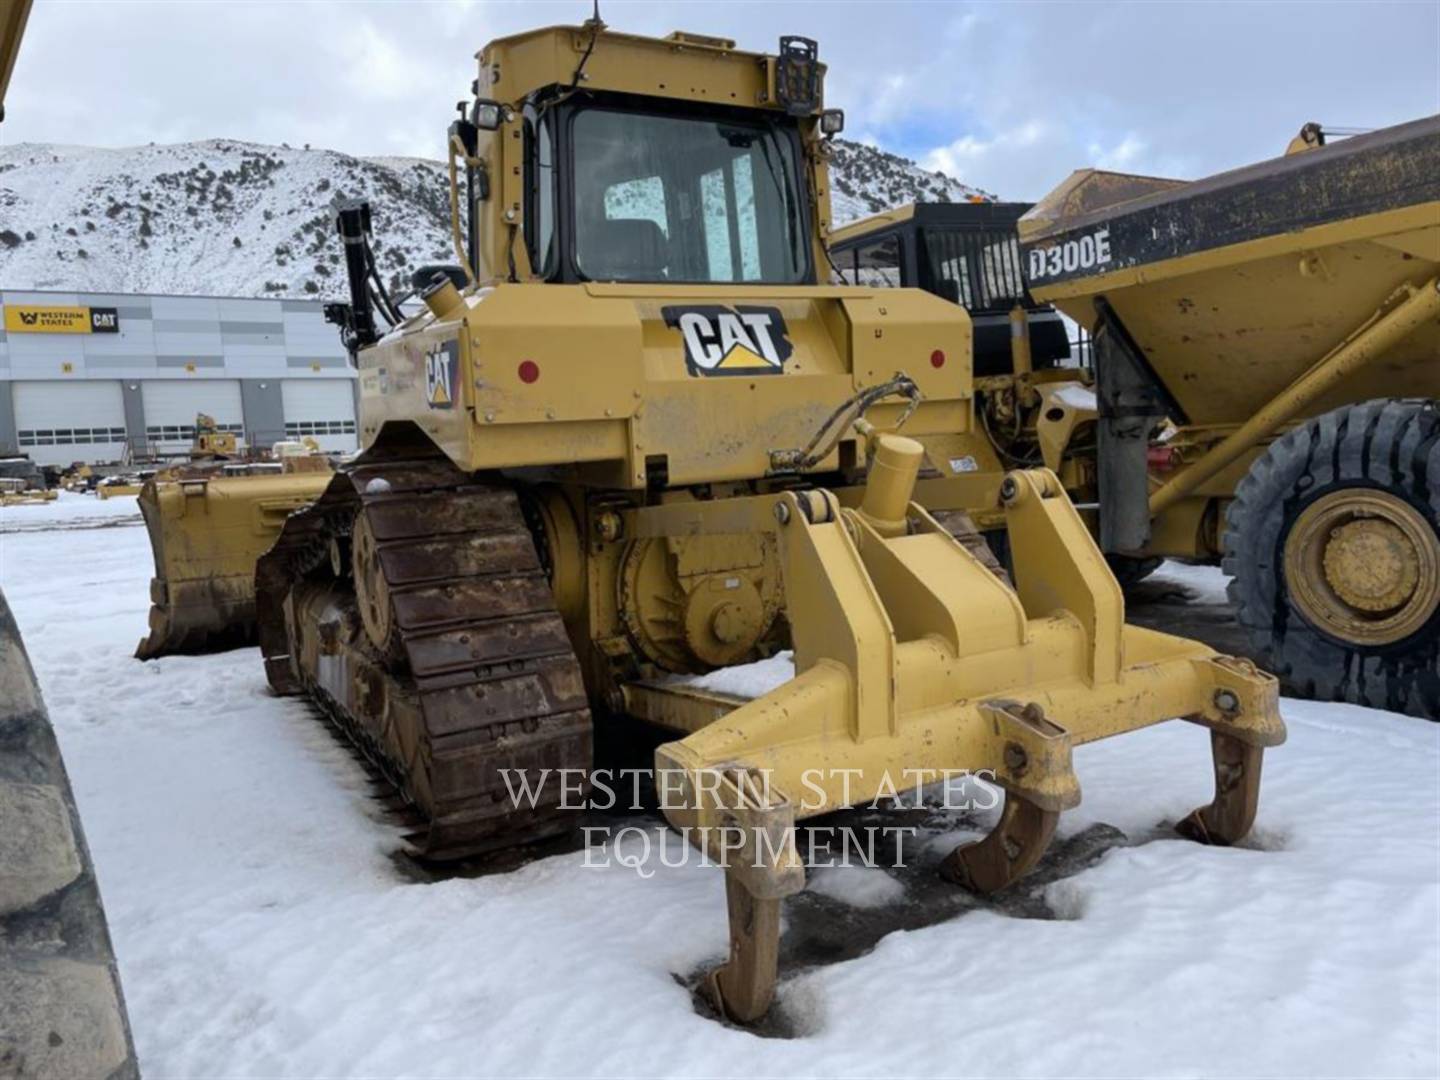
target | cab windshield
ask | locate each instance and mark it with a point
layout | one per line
(685, 199)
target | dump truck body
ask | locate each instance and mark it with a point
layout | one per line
(1235, 285)
(1228, 314)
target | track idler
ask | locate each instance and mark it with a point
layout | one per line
(410, 604)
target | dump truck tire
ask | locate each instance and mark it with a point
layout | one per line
(61, 1009)
(1332, 544)
(1130, 570)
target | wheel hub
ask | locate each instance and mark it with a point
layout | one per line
(1362, 565)
(1371, 565)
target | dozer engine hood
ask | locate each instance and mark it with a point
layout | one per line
(696, 384)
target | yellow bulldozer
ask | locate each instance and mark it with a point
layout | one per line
(632, 436)
(209, 521)
(1262, 391)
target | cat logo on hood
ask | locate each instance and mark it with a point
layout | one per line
(742, 340)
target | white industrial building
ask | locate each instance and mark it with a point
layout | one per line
(104, 377)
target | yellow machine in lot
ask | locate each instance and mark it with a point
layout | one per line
(22, 482)
(1283, 322)
(1263, 389)
(15, 493)
(632, 437)
(13, 16)
(208, 526)
(209, 520)
(1032, 406)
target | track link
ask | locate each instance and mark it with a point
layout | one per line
(409, 603)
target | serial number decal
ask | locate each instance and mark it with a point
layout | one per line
(1083, 254)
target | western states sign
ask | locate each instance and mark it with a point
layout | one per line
(60, 319)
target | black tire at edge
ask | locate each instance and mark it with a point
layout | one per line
(1387, 444)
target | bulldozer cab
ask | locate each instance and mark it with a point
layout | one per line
(590, 155)
(967, 253)
(665, 193)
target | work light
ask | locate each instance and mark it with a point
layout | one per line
(489, 115)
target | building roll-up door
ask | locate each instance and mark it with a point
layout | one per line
(60, 422)
(171, 406)
(323, 409)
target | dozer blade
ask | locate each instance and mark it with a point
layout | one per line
(913, 662)
(206, 533)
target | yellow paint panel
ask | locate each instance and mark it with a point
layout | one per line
(743, 359)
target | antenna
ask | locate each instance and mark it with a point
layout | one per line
(596, 25)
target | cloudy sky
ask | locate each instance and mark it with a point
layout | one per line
(1007, 96)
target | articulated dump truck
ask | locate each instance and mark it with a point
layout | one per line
(1267, 362)
(632, 437)
(1262, 390)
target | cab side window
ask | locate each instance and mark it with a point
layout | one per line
(875, 265)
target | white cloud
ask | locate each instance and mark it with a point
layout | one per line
(961, 28)
(968, 147)
(376, 66)
(1122, 157)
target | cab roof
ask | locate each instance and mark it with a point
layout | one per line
(681, 66)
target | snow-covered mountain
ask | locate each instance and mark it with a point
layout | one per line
(865, 180)
(243, 219)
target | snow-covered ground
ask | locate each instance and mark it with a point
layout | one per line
(70, 511)
(264, 929)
